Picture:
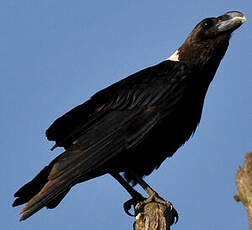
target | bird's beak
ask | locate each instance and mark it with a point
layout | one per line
(230, 21)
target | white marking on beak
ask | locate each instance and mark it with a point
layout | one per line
(174, 57)
(239, 19)
(243, 19)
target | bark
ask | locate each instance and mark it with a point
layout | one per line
(154, 213)
(244, 186)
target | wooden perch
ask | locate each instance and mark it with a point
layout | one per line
(244, 186)
(154, 213)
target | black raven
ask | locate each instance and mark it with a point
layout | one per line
(132, 126)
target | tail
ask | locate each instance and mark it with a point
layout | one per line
(49, 187)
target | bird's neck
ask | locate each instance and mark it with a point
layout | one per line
(200, 52)
(206, 55)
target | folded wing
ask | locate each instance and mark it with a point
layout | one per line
(109, 124)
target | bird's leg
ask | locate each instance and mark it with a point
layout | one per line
(143, 184)
(153, 195)
(136, 196)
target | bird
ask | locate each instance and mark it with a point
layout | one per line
(129, 128)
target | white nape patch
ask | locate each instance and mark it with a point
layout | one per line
(174, 57)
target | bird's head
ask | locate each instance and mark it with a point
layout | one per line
(209, 39)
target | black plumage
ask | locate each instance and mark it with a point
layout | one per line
(136, 123)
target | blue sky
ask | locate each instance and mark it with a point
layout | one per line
(55, 54)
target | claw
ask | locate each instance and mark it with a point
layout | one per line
(127, 206)
(174, 214)
(132, 202)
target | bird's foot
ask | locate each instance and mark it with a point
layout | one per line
(132, 202)
(170, 211)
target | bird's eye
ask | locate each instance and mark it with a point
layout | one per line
(207, 24)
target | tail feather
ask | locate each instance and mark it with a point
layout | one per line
(45, 191)
(50, 195)
(54, 203)
(30, 189)
(50, 186)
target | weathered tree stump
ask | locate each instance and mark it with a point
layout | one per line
(244, 186)
(154, 213)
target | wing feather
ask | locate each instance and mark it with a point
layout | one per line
(143, 88)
